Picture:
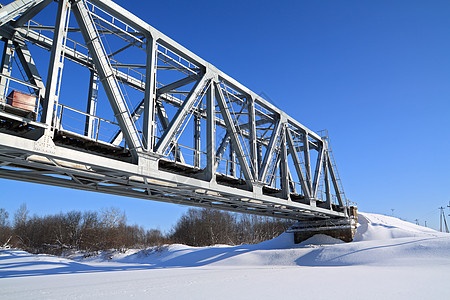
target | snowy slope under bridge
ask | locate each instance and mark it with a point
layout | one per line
(388, 258)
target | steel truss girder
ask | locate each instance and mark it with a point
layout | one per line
(269, 136)
(70, 168)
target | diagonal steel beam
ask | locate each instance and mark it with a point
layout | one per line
(164, 120)
(31, 12)
(231, 130)
(318, 171)
(29, 66)
(107, 77)
(174, 85)
(222, 147)
(135, 115)
(334, 180)
(270, 150)
(16, 8)
(162, 115)
(297, 165)
(180, 116)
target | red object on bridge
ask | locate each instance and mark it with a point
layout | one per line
(21, 100)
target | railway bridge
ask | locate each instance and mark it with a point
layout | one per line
(94, 98)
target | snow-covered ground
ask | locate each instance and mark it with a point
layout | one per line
(389, 259)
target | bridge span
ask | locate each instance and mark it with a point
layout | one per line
(165, 125)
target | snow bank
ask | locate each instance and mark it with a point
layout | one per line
(379, 240)
(378, 227)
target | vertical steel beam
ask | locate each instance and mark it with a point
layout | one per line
(232, 159)
(56, 64)
(252, 138)
(297, 165)
(284, 168)
(197, 142)
(149, 127)
(259, 155)
(8, 53)
(106, 74)
(91, 108)
(307, 160)
(210, 134)
(326, 181)
(291, 182)
(231, 129)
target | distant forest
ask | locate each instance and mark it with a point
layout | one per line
(107, 229)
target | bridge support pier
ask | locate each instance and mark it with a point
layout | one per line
(343, 229)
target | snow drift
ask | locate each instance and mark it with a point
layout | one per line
(379, 240)
(389, 258)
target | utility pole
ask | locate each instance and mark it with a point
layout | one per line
(425, 223)
(440, 218)
(445, 221)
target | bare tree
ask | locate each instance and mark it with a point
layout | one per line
(21, 215)
(207, 227)
(3, 218)
(113, 217)
(5, 230)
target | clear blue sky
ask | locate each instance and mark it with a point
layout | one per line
(376, 74)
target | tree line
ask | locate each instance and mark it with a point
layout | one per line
(107, 229)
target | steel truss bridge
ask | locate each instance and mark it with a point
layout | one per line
(166, 125)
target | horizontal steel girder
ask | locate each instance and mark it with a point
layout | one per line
(23, 159)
